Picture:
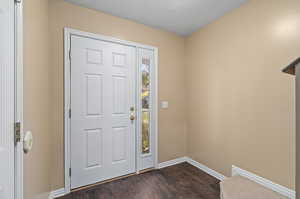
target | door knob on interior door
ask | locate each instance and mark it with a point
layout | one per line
(28, 142)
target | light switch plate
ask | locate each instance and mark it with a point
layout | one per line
(164, 104)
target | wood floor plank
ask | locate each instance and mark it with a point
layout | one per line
(182, 181)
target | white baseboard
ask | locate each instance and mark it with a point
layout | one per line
(207, 170)
(61, 192)
(57, 193)
(264, 182)
(195, 164)
(235, 171)
(172, 162)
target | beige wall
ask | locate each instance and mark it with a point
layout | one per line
(172, 138)
(298, 129)
(240, 106)
(37, 163)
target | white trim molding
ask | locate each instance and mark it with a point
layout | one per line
(264, 182)
(57, 193)
(235, 171)
(19, 97)
(172, 162)
(200, 166)
(155, 105)
(67, 138)
(206, 169)
(219, 176)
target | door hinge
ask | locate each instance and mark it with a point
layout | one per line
(17, 132)
(70, 113)
(70, 55)
(70, 172)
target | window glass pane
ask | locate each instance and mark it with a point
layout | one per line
(145, 132)
(145, 95)
(145, 80)
(145, 99)
(145, 74)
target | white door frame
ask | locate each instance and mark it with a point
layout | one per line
(19, 97)
(18, 103)
(68, 32)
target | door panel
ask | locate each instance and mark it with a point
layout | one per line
(102, 92)
(94, 94)
(119, 144)
(7, 98)
(94, 143)
(119, 95)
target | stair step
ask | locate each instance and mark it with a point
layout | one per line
(238, 187)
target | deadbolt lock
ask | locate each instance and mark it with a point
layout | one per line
(132, 117)
(132, 114)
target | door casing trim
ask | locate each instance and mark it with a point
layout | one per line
(67, 91)
(19, 193)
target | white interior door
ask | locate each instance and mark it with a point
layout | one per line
(102, 94)
(7, 97)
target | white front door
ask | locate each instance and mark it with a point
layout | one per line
(7, 97)
(102, 98)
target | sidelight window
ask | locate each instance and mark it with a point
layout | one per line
(145, 72)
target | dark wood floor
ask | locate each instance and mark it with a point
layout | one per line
(182, 181)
